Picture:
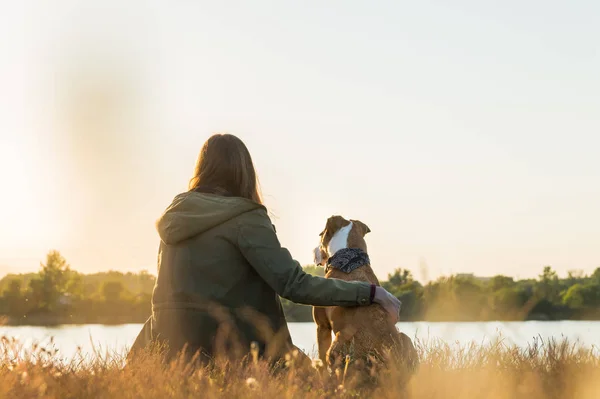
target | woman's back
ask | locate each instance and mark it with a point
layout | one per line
(198, 257)
(204, 277)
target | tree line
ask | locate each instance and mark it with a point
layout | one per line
(59, 295)
(466, 297)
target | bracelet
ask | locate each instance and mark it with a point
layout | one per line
(372, 296)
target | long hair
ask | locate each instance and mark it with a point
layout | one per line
(225, 164)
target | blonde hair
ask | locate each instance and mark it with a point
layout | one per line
(225, 164)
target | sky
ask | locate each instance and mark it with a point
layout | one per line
(465, 134)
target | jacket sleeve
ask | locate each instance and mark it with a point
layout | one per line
(260, 246)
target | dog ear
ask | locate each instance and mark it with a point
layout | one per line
(365, 229)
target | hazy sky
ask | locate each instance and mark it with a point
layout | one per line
(466, 134)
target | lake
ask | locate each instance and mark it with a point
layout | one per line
(118, 338)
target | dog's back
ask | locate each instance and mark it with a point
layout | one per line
(363, 332)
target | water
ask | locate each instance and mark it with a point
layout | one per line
(96, 338)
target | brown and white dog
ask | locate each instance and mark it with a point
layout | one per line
(364, 332)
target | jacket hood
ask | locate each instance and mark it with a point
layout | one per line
(193, 213)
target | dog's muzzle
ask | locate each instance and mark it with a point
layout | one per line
(318, 256)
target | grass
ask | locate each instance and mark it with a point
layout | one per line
(543, 370)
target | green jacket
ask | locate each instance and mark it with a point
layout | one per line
(223, 252)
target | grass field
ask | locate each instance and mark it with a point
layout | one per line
(544, 370)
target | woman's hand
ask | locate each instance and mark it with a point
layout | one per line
(389, 302)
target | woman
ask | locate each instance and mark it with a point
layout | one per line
(221, 268)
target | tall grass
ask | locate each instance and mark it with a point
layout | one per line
(543, 370)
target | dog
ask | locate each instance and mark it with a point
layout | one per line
(366, 333)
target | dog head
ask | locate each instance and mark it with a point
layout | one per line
(340, 233)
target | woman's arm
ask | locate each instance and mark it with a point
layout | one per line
(259, 244)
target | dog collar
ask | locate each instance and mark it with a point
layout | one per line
(347, 260)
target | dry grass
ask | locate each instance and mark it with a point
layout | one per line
(544, 370)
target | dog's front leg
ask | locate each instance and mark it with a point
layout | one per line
(323, 332)
(324, 342)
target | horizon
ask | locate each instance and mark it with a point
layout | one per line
(465, 135)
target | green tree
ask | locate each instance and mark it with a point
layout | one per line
(14, 289)
(13, 298)
(471, 298)
(596, 275)
(400, 277)
(35, 294)
(51, 284)
(75, 286)
(315, 270)
(112, 291)
(501, 282)
(505, 303)
(548, 286)
(574, 297)
(397, 280)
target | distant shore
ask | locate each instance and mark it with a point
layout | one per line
(59, 295)
(55, 321)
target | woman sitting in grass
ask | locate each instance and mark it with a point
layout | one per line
(221, 268)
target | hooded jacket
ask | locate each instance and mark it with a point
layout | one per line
(223, 252)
